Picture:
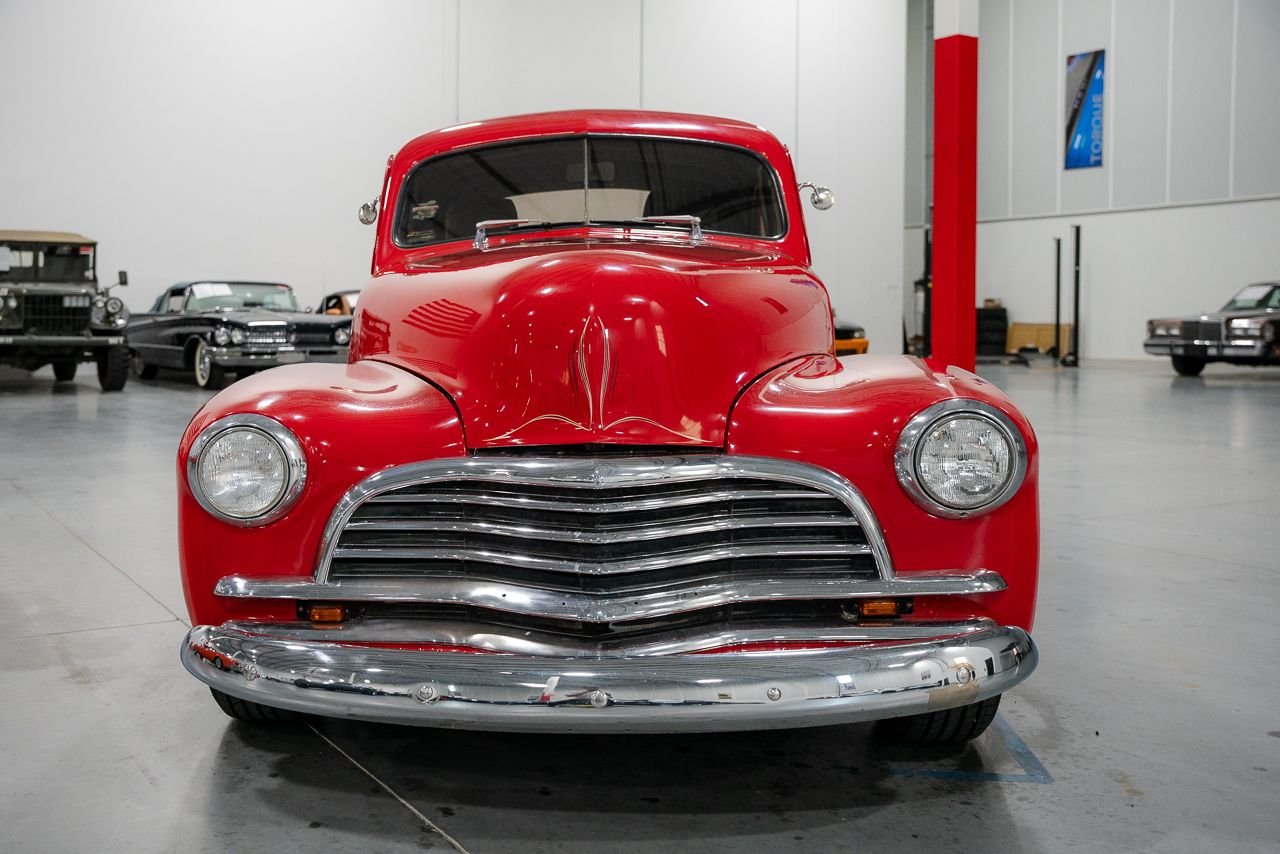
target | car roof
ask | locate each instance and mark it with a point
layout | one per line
(227, 282)
(15, 236)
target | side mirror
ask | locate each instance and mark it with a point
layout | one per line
(369, 212)
(821, 198)
(309, 309)
(123, 278)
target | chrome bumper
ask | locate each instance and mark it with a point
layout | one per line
(20, 340)
(237, 357)
(672, 693)
(1230, 349)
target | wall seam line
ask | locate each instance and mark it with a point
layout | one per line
(1060, 157)
(641, 103)
(1110, 144)
(1168, 113)
(1009, 160)
(1231, 121)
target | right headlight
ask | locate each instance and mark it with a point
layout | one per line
(246, 469)
(342, 336)
(959, 458)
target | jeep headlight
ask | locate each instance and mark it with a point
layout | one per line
(341, 336)
(246, 469)
(960, 457)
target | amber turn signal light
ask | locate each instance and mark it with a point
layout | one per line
(325, 613)
(877, 608)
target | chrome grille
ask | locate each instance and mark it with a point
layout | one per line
(266, 336)
(56, 314)
(603, 525)
(313, 337)
(1202, 330)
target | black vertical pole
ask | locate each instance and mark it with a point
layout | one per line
(1072, 359)
(1057, 297)
(927, 320)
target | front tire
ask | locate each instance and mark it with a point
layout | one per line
(1188, 366)
(247, 710)
(113, 369)
(949, 727)
(64, 372)
(208, 375)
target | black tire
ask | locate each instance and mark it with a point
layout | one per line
(113, 368)
(141, 369)
(947, 727)
(247, 710)
(64, 372)
(207, 374)
(1188, 366)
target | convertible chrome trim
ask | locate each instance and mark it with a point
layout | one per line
(599, 473)
(695, 693)
(574, 605)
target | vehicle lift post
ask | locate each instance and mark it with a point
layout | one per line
(1072, 359)
(1057, 297)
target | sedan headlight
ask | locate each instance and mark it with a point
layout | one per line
(222, 336)
(960, 457)
(341, 335)
(1247, 327)
(237, 335)
(1156, 328)
(246, 469)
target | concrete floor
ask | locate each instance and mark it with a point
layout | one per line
(1152, 723)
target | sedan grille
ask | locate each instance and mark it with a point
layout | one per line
(56, 314)
(607, 526)
(269, 336)
(1202, 330)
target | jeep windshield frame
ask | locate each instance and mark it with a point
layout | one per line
(43, 262)
(590, 180)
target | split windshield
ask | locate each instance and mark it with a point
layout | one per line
(34, 262)
(230, 296)
(590, 179)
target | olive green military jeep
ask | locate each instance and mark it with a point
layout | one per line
(53, 311)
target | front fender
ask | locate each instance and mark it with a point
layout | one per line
(846, 416)
(352, 420)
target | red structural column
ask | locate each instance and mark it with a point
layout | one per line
(955, 181)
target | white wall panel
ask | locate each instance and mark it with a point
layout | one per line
(994, 68)
(1139, 87)
(1037, 115)
(1201, 81)
(918, 104)
(198, 140)
(724, 58)
(1257, 104)
(852, 86)
(1086, 26)
(521, 56)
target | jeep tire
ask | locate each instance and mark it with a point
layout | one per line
(113, 368)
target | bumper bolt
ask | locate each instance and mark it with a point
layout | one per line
(599, 699)
(774, 693)
(426, 694)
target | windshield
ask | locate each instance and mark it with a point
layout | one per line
(228, 296)
(67, 263)
(1260, 297)
(592, 179)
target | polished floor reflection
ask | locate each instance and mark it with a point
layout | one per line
(1150, 724)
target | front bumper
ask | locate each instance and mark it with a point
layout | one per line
(74, 341)
(1236, 348)
(957, 666)
(255, 357)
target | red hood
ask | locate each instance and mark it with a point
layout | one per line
(584, 342)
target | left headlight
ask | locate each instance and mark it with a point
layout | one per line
(246, 469)
(959, 458)
(341, 335)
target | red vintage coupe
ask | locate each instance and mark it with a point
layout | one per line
(594, 467)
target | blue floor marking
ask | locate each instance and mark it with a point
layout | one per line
(1033, 769)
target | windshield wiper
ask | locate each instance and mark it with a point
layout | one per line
(486, 225)
(693, 222)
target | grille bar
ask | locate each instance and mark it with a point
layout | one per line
(655, 562)
(641, 532)
(497, 498)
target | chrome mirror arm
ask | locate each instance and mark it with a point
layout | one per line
(822, 198)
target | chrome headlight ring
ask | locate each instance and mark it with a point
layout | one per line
(906, 458)
(295, 477)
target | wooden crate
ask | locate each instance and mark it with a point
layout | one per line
(1038, 335)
